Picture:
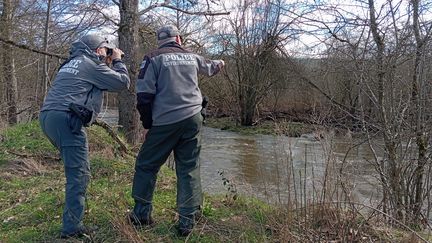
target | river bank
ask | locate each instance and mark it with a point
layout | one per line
(31, 198)
(267, 127)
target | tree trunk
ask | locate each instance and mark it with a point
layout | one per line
(9, 64)
(128, 41)
(394, 173)
(247, 106)
(45, 75)
(421, 138)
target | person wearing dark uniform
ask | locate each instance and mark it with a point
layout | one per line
(74, 101)
(169, 102)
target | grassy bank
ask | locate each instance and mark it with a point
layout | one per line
(32, 194)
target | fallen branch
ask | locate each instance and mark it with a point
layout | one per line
(24, 155)
(123, 148)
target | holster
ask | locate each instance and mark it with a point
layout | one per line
(82, 112)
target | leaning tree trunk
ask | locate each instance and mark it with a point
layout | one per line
(128, 42)
(9, 64)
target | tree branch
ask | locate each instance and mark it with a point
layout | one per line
(165, 5)
(305, 79)
(123, 148)
(106, 17)
(25, 47)
(116, 2)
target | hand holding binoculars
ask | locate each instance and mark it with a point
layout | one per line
(115, 53)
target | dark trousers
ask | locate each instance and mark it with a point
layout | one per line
(67, 134)
(184, 138)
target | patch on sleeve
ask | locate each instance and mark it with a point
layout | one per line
(143, 63)
(143, 68)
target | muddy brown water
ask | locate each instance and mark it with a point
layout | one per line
(279, 168)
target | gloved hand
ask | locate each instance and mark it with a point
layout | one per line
(204, 108)
(221, 64)
(204, 114)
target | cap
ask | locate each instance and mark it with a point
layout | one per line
(167, 34)
(94, 41)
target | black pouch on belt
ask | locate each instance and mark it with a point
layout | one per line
(82, 112)
(204, 108)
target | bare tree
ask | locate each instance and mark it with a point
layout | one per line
(47, 29)
(9, 63)
(252, 39)
(420, 91)
(393, 102)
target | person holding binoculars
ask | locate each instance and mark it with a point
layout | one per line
(72, 103)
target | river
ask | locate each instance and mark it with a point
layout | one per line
(264, 165)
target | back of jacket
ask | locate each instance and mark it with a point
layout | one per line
(82, 79)
(170, 75)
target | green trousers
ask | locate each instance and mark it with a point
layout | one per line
(184, 138)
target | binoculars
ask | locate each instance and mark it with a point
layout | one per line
(110, 52)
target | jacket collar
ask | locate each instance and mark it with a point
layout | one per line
(171, 44)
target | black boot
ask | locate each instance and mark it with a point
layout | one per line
(140, 221)
(141, 214)
(83, 231)
(186, 224)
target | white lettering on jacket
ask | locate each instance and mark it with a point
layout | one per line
(71, 67)
(178, 59)
(68, 70)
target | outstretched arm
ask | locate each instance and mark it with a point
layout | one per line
(209, 67)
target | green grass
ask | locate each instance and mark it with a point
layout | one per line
(31, 200)
(31, 204)
(26, 137)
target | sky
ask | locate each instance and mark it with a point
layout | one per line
(343, 17)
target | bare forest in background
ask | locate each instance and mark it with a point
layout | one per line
(368, 70)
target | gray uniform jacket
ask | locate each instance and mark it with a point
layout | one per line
(167, 86)
(82, 79)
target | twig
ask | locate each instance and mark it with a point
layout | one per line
(106, 17)
(379, 211)
(163, 4)
(383, 213)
